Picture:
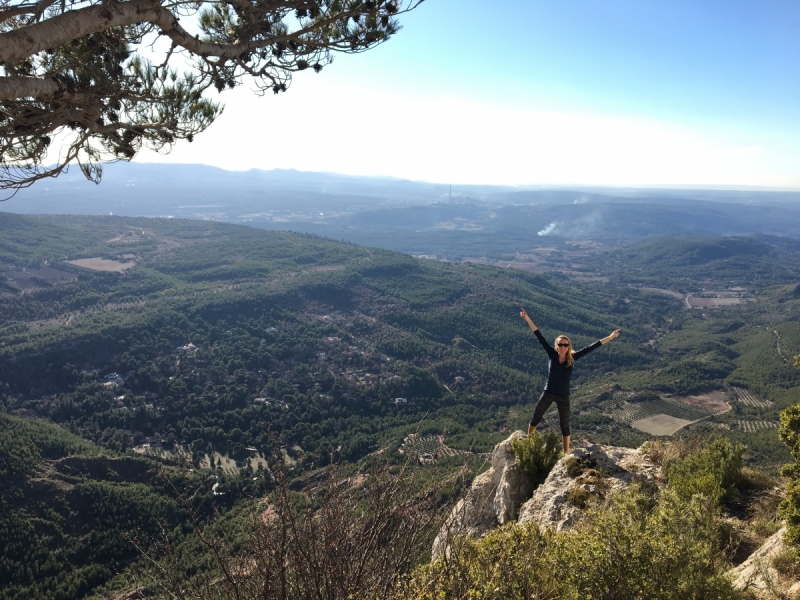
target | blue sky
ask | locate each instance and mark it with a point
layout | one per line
(611, 93)
(687, 60)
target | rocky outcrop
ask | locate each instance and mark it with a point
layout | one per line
(503, 493)
(758, 575)
(493, 499)
(585, 473)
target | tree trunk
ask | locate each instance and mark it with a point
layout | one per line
(19, 44)
(41, 88)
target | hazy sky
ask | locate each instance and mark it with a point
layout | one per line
(605, 92)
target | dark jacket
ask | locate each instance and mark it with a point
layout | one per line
(558, 374)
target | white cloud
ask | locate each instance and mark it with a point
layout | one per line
(323, 126)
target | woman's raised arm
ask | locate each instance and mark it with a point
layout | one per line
(525, 316)
(614, 335)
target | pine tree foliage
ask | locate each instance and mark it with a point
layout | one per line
(75, 72)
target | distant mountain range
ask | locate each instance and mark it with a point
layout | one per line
(411, 216)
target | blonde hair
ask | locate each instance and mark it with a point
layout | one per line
(570, 351)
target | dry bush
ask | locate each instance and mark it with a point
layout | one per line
(786, 565)
(764, 518)
(347, 538)
(665, 453)
(756, 479)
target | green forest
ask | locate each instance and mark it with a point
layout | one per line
(147, 361)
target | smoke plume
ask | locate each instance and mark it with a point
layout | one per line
(548, 229)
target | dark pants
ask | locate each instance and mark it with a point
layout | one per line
(562, 402)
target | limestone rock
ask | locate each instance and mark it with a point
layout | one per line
(607, 469)
(501, 494)
(759, 576)
(493, 499)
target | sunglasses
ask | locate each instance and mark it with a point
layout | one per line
(563, 345)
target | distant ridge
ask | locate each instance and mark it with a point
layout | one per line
(72, 193)
(414, 217)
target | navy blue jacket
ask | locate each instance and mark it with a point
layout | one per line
(559, 374)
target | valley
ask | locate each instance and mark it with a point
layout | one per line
(223, 354)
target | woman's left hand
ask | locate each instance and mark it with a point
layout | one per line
(615, 334)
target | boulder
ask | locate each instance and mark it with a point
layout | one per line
(596, 472)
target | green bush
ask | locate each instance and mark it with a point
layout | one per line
(578, 466)
(578, 497)
(641, 546)
(789, 433)
(537, 455)
(713, 472)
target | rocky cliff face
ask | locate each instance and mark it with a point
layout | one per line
(494, 498)
(503, 493)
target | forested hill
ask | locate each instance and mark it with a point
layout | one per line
(758, 260)
(210, 346)
(66, 507)
(212, 336)
(203, 345)
(326, 334)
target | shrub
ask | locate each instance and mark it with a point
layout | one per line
(637, 548)
(664, 453)
(577, 466)
(713, 472)
(537, 455)
(764, 518)
(785, 564)
(578, 497)
(757, 480)
(789, 433)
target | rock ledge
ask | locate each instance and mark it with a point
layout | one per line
(503, 493)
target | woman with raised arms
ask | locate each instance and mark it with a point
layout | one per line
(559, 372)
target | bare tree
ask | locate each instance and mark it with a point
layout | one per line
(349, 537)
(74, 69)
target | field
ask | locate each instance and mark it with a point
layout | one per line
(753, 426)
(102, 264)
(427, 448)
(568, 260)
(716, 401)
(695, 302)
(746, 398)
(660, 424)
(665, 415)
(713, 299)
(26, 278)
